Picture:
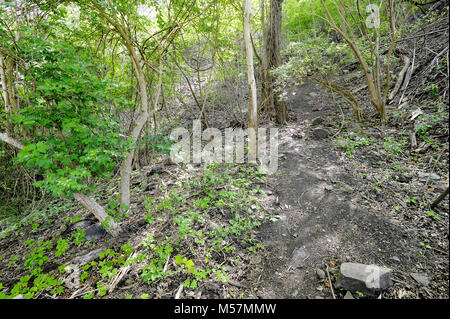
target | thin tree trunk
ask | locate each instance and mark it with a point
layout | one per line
(5, 96)
(253, 103)
(263, 73)
(144, 114)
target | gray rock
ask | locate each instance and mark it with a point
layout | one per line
(395, 258)
(319, 297)
(313, 94)
(94, 232)
(82, 224)
(298, 257)
(316, 121)
(420, 278)
(423, 176)
(320, 133)
(320, 273)
(348, 295)
(90, 256)
(365, 278)
(19, 297)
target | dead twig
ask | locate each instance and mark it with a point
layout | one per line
(179, 291)
(329, 281)
(412, 137)
(122, 272)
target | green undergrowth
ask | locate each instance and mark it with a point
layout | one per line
(197, 230)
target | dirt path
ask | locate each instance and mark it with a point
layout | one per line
(320, 221)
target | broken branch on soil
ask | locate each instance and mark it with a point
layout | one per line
(400, 78)
(329, 281)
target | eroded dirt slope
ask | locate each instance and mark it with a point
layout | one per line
(324, 218)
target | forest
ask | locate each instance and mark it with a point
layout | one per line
(223, 149)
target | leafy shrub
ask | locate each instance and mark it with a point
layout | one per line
(72, 135)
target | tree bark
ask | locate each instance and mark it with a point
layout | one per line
(5, 93)
(253, 103)
(273, 58)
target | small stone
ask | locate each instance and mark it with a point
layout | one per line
(90, 256)
(313, 94)
(319, 297)
(365, 278)
(320, 133)
(348, 295)
(320, 273)
(19, 297)
(421, 278)
(395, 258)
(94, 232)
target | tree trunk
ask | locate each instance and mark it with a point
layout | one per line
(144, 114)
(5, 93)
(273, 58)
(253, 103)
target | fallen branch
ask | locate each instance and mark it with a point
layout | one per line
(408, 75)
(439, 199)
(436, 59)
(236, 284)
(122, 273)
(98, 211)
(412, 137)
(11, 141)
(180, 290)
(400, 78)
(423, 34)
